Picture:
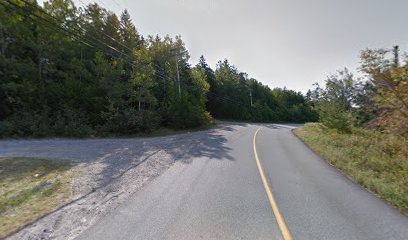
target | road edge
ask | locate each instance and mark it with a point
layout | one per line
(347, 176)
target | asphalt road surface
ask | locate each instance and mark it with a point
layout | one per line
(270, 187)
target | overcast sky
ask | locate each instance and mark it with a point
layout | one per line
(291, 43)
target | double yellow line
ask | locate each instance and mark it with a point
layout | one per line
(279, 218)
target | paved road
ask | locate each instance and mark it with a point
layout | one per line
(221, 195)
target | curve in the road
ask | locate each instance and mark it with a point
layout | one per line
(279, 218)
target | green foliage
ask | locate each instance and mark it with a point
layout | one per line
(6, 129)
(131, 121)
(182, 114)
(71, 123)
(333, 115)
(230, 97)
(379, 102)
(68, 71)
(30, 123)
(335, 102)
(388, 81)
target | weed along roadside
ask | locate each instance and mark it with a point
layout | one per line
(377, 161)
(30, 188)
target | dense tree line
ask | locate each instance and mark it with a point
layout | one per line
(379, 100)
(75, 71)
(266, 104)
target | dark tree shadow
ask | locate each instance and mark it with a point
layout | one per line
(118, 156)
(109, 159)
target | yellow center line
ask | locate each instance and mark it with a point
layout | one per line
(279, 218)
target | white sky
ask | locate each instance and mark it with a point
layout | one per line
(291, 43)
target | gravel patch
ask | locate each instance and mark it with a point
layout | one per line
(110, 171)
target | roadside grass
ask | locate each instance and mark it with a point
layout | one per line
(159, 132)
(162, 132)
(377, 161)
(29, 188)
(167, 131)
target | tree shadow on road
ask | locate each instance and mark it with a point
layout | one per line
(114, 157)
(106, 162)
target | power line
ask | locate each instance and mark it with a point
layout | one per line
(91, 43)
(123, 45)
(222, 98)
(154, 64)
(116, 3)
(75, 35)
(70, 32)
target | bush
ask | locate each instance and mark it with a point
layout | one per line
(332, 114)
(183, 114)
(68, 122)
(6, 129)
(132, 121)
(29, 123)
(71, 123)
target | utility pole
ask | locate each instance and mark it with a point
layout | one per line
(177, 54)
(250, 95)
(178, 76)
(140, 95)
(80, 74)
(395, 51)
(2, 41)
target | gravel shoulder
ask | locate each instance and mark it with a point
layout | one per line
(110, 171)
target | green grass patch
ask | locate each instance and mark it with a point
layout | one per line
(29, 188)
(162, 132)
(377, 161)
(167, 131)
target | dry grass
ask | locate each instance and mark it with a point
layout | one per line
(377, 161)
(30, 188)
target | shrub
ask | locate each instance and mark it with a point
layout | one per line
(183, 114)
(6, 129)
(30, 123)
(71, 123)
(332, 114)
(132, 121)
